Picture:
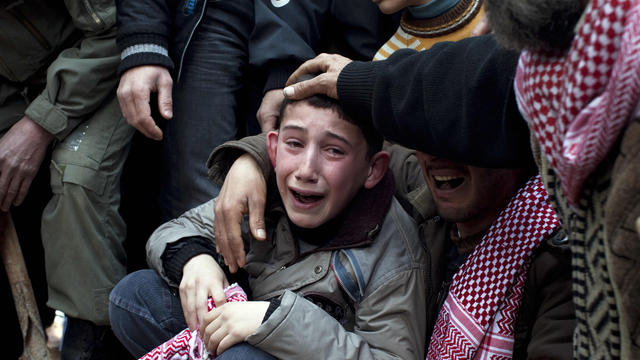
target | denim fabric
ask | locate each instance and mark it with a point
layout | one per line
(205, 101)
(145, 312)
(244, 351)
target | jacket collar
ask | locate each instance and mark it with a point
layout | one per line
(356, 226)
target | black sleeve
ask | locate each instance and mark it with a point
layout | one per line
(177, 254)
(146, 23)
(285, 36)
(455, 100)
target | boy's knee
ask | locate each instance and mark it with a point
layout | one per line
(132, 289)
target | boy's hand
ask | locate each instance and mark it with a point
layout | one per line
(230, 324)
(244, 191)
(201, 277)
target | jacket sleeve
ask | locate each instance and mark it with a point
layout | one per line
(82, 77)
(224, 155)
(144, 31)
(454, 100)
(405, 168)
(390, 324)
(195, 222)
(285, 36)
(552, 315)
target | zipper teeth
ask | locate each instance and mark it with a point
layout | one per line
(30, 28)
(91, 12)
(204, 8)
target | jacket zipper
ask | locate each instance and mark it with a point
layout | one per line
(186, 45)
(92, 13)
(30, 28)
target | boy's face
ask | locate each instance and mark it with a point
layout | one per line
(392, 6)
(320, 163)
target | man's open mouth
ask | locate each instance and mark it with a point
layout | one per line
(306, 198)
(448, 182)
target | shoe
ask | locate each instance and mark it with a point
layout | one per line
(84, 340)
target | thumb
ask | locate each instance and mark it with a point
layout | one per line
(165, 102)
(217, 293)
(302, 89)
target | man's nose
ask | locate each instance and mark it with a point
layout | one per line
(307, 169)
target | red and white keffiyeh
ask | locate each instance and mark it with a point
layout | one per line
(187, 345)
(577, 104)
(477, 318)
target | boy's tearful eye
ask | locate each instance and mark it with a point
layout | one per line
(335, 151)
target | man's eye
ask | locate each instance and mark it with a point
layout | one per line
(335, 151)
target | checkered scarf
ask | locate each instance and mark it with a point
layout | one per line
(187, 345)
(578, 103)
(477, 318)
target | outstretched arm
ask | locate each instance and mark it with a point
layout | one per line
(454, 100)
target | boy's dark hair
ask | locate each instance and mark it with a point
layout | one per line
(373, 138)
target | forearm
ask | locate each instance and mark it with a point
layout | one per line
(224, 155)
(454, 100)
(197, 222)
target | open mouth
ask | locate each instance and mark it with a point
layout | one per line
(447, 182)
(305, 198)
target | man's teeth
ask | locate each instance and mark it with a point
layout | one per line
(444, 178)
(447, 182)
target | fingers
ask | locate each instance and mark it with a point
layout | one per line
(23, 191)
(11, 187)
(217, 293)
(142, 119)
(233, 252)
(202, 295)
(218, 336)
(268, 122)
(134, 91)
(269, 110)
(227, 229)
(226, 342)
(256, 216)
(322, 84)
(188, 303)
(165, 102)
(210, 330)
(316, 65)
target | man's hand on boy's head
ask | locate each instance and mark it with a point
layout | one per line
(269, 110)
(244, 191)
(328, 66)
(202, 278)
(230, 324)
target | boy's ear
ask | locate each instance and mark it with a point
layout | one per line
(272, 146)
(378, 166)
